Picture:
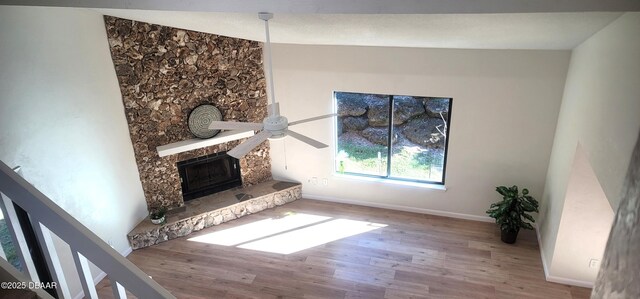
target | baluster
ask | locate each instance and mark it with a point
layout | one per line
(14, 275)
(118, 290)
(44, 237)
(84, 271)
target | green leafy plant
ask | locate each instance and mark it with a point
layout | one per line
(511, 213)
(157, 213)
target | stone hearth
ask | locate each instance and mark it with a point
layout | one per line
(215, 209)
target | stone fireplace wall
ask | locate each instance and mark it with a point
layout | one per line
(163, 74)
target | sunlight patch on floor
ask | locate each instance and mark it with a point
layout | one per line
(312, 236)
(288, 234)
(259, 229)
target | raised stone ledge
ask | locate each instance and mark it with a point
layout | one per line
(215, 209)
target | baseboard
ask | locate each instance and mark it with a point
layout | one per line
(569, 281)
(542, 256)
(556, 279)
(102, 274)
(399, 208)
(127, 251)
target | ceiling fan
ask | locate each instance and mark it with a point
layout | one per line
(274, 126)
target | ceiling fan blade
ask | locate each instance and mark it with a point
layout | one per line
(307, 140)
(245, 147)
(311, 119)
(233, 125)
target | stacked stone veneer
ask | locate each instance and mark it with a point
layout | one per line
(163, 74)
(147, 234)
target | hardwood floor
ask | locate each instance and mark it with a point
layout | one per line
(413, 256)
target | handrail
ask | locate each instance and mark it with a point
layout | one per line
(80, 238)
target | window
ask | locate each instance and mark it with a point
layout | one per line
(393, 137)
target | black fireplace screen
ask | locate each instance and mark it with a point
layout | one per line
(208, 174)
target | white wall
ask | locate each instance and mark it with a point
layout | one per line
(601, 111)
(62, 119)
(505, 108)
(585, 224)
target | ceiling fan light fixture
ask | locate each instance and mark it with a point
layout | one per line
(277, 125)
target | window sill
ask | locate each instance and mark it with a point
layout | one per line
(390, 181)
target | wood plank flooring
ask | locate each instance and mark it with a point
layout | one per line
(414, 256)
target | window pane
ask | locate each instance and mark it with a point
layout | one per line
(363, 131)
(6, 244)
(419, 132)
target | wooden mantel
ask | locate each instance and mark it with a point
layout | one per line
(191, 144)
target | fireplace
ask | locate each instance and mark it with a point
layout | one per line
(208, 174)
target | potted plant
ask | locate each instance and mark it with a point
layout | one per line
(512, 212)
(157, 215)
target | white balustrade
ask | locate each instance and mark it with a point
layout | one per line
(47, 217)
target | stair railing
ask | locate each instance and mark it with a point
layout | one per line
(47, 217)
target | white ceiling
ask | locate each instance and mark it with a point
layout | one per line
(350, 6)
(466, 31)
(470, 24)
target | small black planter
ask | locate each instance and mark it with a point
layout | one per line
(509, 236)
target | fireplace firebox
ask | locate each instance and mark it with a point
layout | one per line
(208, 174)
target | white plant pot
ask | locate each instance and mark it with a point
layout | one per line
(158, 221)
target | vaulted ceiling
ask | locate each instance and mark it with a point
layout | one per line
(466, 31)
(466, 24)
